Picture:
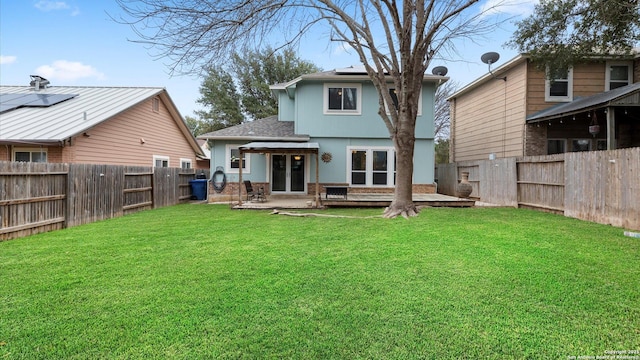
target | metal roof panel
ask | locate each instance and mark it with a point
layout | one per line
(89, 107)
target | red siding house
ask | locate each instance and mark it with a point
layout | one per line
(94, 125)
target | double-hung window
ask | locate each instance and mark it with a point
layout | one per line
(185, 163)
(342, 99)
(232, 160)
(394, 98)
(618, 74)
(160, 161)
(560, 89)
(371, 166)
(30, 155)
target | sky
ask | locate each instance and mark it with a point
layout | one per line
(76, 43)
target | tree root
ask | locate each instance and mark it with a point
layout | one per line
(406, 211)
(278, 212)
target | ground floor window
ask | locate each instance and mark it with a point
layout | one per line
(371, 166)
(556, 146)
(160, 161)
(232, 160)
(601, 144)
(581, 145)
(185, 163)
(30, 155)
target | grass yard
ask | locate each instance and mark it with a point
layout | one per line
(203, 281)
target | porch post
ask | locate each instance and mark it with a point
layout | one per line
(240, 177)
(611, 128)
(317, 180)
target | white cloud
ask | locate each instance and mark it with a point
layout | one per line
(518, 8)
(7, 59)
(69, 71)
(46, 5)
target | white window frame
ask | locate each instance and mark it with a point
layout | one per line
(566, 98)
(246, 162)
(419, 102)
(628, 64)
(185, 161)
(30, 150)
(391, 171)
(325, 105)
(160, 158)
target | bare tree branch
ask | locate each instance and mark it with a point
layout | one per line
(395, 41)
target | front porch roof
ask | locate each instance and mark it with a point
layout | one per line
(623, 96)
(280, 147)
(299, 147)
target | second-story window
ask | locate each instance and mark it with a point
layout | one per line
(343, 99)
(618, 74)
(560, 89)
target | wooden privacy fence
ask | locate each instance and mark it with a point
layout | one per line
(39, 197)
(599, 186)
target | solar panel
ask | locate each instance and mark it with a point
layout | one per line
(10, 102)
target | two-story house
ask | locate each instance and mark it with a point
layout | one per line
(94, 125)
(327, 132)
(515, 111)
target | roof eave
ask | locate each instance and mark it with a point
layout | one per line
(300, 138)
(489, 76)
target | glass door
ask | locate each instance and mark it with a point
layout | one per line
(278, 173)
(297, 173)
(288, 173)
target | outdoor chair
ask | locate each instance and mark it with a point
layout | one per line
(253, 193)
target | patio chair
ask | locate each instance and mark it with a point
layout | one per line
(253, 193)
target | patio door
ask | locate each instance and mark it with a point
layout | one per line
(288, 173)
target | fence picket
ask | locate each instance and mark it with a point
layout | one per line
(599, 186)
(39, 197)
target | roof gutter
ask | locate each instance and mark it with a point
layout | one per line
(301, 138)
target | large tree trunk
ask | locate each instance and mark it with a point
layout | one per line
(402, 203)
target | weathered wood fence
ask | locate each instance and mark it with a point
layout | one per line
(599, 186)
(39, 197)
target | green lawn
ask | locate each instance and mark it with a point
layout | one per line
(203, 281)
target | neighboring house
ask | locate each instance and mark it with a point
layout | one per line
(94, 125)
(203, 161)
(328, 132)
(593, 107)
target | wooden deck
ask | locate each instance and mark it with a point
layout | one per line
(384, 200)
(353, 200)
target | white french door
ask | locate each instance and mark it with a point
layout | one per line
(288, 173)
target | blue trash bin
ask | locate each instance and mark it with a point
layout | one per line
(198, 189)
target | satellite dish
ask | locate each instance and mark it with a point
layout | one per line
(440, 71)
(490, 57)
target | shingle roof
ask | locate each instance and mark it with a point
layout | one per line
(269, 128)
(624, 94)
